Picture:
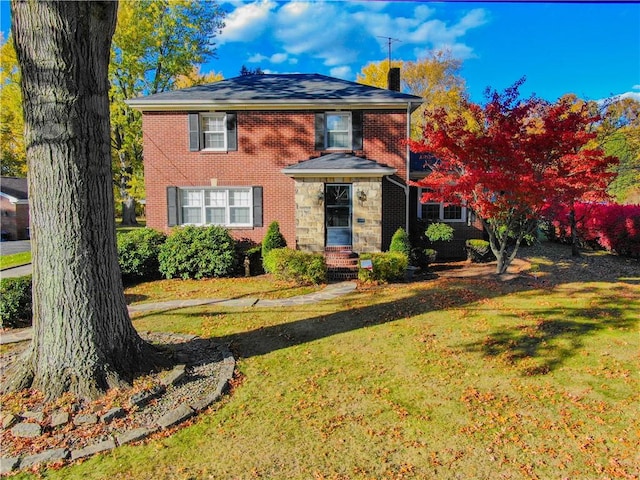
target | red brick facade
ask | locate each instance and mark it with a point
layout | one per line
(268, 141)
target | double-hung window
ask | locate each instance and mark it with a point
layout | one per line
(339, 130)
(229, 207)
(214, 131)
(439, 212)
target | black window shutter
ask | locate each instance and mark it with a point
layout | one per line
(232, 131)
(257, 207)
(194, 132)
(319, 139)
(172, 206)
(356, 129)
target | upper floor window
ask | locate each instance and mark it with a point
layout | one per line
(213, 131)
(339, 130)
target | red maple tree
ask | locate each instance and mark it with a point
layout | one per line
(509, 158)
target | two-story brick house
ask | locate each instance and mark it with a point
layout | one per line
(322, 156)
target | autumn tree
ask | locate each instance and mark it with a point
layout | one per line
(436, 78)
(195, 77)
(156, 47)
(509, 158)
(83, 340)
(12, 152)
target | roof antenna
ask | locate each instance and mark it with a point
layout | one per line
(390, 40)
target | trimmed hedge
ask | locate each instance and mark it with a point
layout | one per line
(387, 267)
(479, 251)
(198, 252)
(15, 302)
(296, 266)
(138, 252)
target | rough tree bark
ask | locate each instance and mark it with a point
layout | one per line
(83, 339)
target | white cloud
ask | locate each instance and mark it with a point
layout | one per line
(278, 58)
(257, 58)
(341, 72)
(247, 22)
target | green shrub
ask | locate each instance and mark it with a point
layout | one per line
(400, 242)
(138, 251)
(15, 301)
(387, 267)
(439, 232)
(197, 252)
(295, 266)
(479, 251)
(272, 239)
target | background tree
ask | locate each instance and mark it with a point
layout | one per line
(620, 136)
(194, 77)
(436, 78)
(156, 44)
(244, 71)
(83, 340)
(13, 160)
(508, 159)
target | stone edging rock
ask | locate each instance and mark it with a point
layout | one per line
(169, 419)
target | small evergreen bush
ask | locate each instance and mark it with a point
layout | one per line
(15, 301)
(272, 239)
(387, 267)
(400, 242)
(197, 252)
(479, 251)
(295, 266)
(138, 251)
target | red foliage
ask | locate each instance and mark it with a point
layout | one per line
(612, 226)
(509, 158)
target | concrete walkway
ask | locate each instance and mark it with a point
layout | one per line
(332, 291)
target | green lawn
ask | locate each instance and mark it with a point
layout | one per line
(15, 260)
(446, 378)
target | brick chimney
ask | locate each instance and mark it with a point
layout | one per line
(393, 79)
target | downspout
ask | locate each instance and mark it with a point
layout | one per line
(408, 165)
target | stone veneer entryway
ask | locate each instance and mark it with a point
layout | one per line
(366, 220)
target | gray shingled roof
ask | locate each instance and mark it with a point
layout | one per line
(14, 187)
(303, 89)
(338, 164)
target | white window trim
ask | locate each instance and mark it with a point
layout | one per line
(326, 130)
(224, 131)
(203, 206)
(463, 211)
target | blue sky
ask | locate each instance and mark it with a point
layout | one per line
(591, 49)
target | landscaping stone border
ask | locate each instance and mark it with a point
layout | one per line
(171, 418)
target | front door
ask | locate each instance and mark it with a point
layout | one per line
(337, 214)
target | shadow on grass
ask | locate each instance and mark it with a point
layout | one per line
(540, 347)
(534, 347)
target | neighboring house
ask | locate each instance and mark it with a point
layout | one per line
(14, 203)
(322, 156)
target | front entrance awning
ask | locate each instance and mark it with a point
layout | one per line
(338, 165)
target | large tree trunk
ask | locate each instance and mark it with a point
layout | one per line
(83, 339)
